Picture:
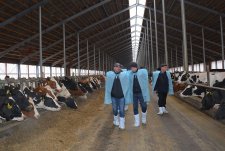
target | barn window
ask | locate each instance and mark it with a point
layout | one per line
(32, 71)
(2, 71)
(24, 71)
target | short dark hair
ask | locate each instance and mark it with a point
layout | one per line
(133, 64)
(163, 65)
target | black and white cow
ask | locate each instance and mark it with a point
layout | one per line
(215, 98)
(64, 95)
(9, 110)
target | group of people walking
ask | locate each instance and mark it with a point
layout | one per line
(124, 87)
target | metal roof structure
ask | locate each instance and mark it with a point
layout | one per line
(43, 31)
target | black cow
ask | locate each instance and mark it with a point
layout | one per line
(70, 102)
(21, 100)
(37, 98)
(9, 110)
(214, 97)
(82, 87)
(220, 114)
(188, 91)
(69, 83)
(86, 86)
(199, 90)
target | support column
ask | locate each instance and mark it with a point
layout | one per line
(19, 71)
(185, 54)
(192, 62)
(152, 50)
(156, 36)
(50, 71)
(222, 42)
(78, 53)
(176, 58)
(148, 52)
(64, 49)
(103, 62)
(216, 64)
(37, 72)
(203, 49)
(94, 61)
(99, 61)
(145, 50)
(40, 42)
(171, 59)
(164, 29)
(88, 65)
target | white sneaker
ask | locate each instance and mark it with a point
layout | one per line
(143, 117)
(136, 120)
(160, 111)
(116, 121)
(164, 110)
(122, 123)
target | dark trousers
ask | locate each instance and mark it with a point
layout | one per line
(138, 98)
(162, 99)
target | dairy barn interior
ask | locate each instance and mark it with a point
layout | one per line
(54, 56)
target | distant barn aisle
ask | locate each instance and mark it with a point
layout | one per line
(90, 128)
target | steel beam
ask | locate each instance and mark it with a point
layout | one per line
(107, 18)
(40, 43)
(204, 8)
(78, 53)
(156, 35)
(203, 49)
(88, 68)
(164, 29)
(192, 62)
(23, 13)
(185, 52)
(222, 42)
(152, 50)
(2, 54)
(64, 49)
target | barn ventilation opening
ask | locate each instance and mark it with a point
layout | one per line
(136, 23)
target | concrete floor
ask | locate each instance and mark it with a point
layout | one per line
(90, 128)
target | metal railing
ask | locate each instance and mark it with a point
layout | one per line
(205, 86)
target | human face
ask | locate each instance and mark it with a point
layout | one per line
(134, 69)
(117, 69)
(164, 68)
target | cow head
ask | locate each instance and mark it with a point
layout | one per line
(9, 110)
(21, 100)
(51, 104)
(207, 101)
(64, 92)
(188, 91)
(58, 87)
(184, 77)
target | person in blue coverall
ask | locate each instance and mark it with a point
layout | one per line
(117, 93)
(162, 85)
(139, 90)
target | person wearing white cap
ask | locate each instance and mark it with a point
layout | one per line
(116, 93)
(162, 85)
